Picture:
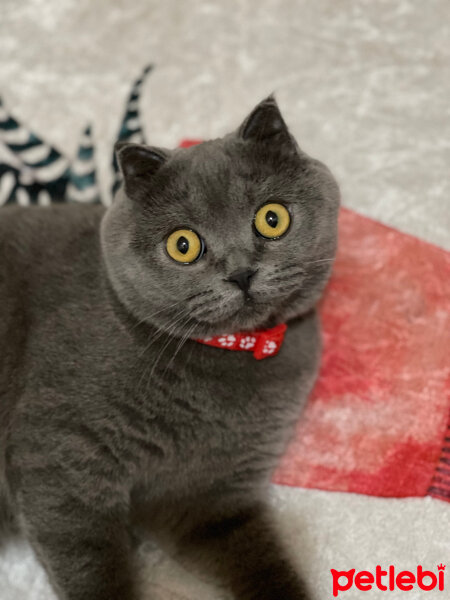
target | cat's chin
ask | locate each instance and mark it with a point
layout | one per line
(248, 316)
(253, 315)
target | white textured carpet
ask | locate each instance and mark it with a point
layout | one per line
(364, 86)
(323, 530)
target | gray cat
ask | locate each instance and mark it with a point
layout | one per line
(114, 418)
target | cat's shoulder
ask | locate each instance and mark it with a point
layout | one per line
(25, 231)
(19, 219)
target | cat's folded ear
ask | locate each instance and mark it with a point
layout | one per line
(264, 122)
(137, 161)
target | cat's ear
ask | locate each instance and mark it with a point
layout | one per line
(137, 161)
(264, 122)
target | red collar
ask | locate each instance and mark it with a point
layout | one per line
(263, 343)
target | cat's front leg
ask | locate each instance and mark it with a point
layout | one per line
(240, 546)
(84, 548)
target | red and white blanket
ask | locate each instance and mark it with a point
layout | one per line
(378, 421)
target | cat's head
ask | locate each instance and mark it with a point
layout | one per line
(233, 234)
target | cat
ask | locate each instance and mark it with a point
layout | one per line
(114, 418)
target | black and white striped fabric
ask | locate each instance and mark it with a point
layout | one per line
(42, 174)
(43, 171)
(131, 128)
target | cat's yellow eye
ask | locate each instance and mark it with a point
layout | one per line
(272, 220)
(184, 246)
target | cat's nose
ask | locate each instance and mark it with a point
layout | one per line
(242, 278)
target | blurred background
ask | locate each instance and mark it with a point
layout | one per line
(363, 84)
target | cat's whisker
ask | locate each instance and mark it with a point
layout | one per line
(206, 308)
(165, 308)
(163, 349)
(288, 267)
(184, 368)
(216, 310)
(287, 277)
(170, 327)
(197, 307)
(182, 342)
(160, 331)
(202, 293)
(322, 260)
(158, 312)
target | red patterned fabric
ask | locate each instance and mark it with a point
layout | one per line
(263, 343)
(378, 419)
(376, 422)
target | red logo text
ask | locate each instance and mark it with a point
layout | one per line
(388, 580)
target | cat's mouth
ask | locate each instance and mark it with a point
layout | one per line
(244, 315)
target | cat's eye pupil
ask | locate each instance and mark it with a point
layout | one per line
(182, 245)
(272, 219)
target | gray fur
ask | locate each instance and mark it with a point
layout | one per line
(112, 416)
